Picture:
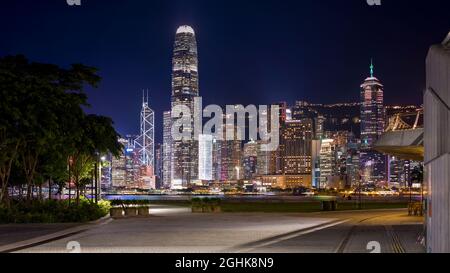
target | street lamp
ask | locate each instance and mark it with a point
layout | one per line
(359, 189)
(102, 159)
(70, 176)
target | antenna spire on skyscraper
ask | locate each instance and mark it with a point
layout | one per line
(371, 68)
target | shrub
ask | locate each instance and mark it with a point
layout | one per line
(53, 211)
(205, 201)
(126, 203)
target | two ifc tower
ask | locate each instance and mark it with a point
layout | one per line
(185, 87)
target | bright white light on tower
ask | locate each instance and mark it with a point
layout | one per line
(185, 29)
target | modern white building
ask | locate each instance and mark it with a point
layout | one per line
(326, 162)
(437, 147)
(205, 157)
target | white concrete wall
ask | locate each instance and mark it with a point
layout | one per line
(437, 148)
(438, 232)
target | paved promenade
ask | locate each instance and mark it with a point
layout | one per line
(172, 229)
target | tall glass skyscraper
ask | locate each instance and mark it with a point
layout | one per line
(205, 157)
(373, 164)
(296, 140)
(167, 150)
(145, 142)
(184, 161)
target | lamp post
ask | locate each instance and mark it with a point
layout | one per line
(102, 160)
(92, 184)
(359, 190)
(70, 177)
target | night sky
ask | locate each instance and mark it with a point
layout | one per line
(250, 51)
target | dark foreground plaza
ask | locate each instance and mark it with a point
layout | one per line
(175, 229)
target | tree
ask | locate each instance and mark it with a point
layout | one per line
(97, 136)
(10, 116)
(44, 88)
(42, 123)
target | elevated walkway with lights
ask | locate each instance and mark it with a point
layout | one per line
(403, 137)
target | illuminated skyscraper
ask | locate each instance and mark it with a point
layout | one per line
(399, 172)
(353, 165)
(145, 142)
(327, 162)
(167, 150)
(315, 162)
(159, 165)
(372, 110)
(105, 179)
(296, 139)
(125, 170)
(276, 160)
(205, 157)
(230, 154)
(217, 159)
(250, 159)
(185, 87)
(118, 167)
(145, 147)
(373, 164)
(263, 159)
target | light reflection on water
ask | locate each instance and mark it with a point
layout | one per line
(177, 197)
(239, 198)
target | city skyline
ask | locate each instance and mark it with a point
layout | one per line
(233, 53)
(316, 149)
(227, 126)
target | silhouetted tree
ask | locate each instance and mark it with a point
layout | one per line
(42, 123)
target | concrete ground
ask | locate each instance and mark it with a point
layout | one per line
(11, 233)
(171, 229)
